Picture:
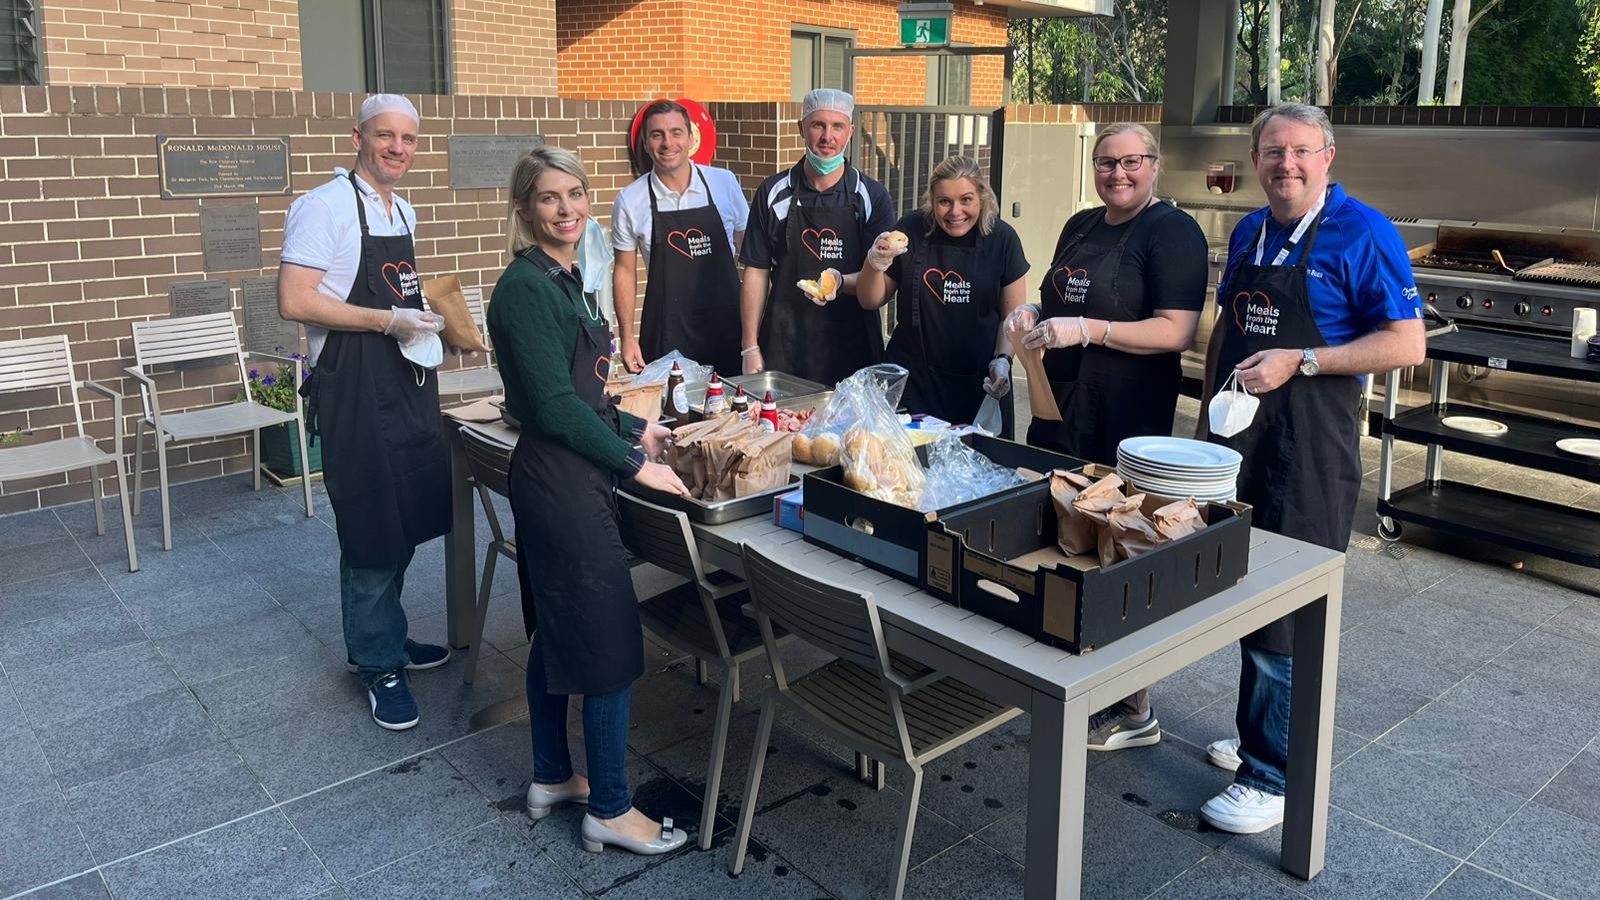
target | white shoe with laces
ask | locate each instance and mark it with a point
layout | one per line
(1243, 810)
(1224, 754)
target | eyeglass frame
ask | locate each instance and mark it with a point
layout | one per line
(1121, 161)
(1300, 154)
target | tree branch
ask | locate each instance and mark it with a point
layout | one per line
(1484, 11)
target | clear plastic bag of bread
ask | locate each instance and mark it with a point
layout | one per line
(875, 451)
(820, 441)
(957, 473)
(659, 370)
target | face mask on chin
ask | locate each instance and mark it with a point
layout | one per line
(1232, 411)
(825, 165)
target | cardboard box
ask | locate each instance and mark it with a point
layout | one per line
(788, 511)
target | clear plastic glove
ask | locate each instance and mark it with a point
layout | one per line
(655, 440)
(407, 325)
(1023, 318)
(998, 384)
(883, 252)
(752, 363)
(1053, 334)
(824, 289)
(659, 477)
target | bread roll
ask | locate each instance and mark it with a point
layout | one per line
(826, 285)
(898, 241)
(801, 448)
(825, 450)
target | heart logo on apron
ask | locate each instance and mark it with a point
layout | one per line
(816, 237)
(404, 277)
(938, 288)
(687, 239)
(602, 368)
(1064, 276)
(1259, 313)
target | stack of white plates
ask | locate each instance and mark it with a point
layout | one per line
(1179, 467)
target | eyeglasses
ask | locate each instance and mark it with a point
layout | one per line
(1300, 154)
(1131, 163)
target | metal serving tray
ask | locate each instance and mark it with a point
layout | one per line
(782, 385)
(721, 511)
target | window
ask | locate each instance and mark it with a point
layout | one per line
(816, 59)
(398, 46)
(949, 81)
(19, 43)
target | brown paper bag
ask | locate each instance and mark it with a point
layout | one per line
(1131, 532)
(1075, 533)
(1040, 398)
(640, 400)
(445, 298)
(1178, 519)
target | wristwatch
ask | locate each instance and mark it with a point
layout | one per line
(1308, 362)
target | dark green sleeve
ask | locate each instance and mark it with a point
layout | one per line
(534, 328)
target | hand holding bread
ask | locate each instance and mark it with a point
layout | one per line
(824, 289)
(889, 245)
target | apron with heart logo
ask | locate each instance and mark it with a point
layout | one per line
(1302, 454)
(1104, 395)
(946, 338)
(820, 343)
(384, 458)
(691, 301)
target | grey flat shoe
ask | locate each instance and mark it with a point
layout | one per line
(596, 836)
(542, 799)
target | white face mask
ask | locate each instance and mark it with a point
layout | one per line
(1232, 411)
(426, 351)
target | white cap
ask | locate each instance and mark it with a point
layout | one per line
(378, 104)
(830, 99)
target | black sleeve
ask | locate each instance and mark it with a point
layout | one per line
(1009, 256)
(882, 218)
(1175, 277)
(915, 228)
(757, 249)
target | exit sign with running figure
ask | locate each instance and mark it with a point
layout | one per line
(925, 24)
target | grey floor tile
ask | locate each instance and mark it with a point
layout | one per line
(1482, 749)
(116, 740)
(704, 876)
(978, 783)
(208, 593)
(1485, 589)
(420, 802)
(969, 869)
(1438, 807)
(52, 595)
(164, 801)
(1217, 722)
(84, 685)
(1427, 646)
(1168, 782)
(1195, 687)
(1472, 883)
(259, 858)
(669, 706)
(270, 512)
(90, 886)
(1580, 621)
(1576, 789)
(499, 763)
(1370, 705)
(41, 845)
(323, 746)
(1505, 693)
(1548, 851)
(1363, 861)
(1219, 878)
(278, 691)
(451, 709)
(214, 650)
(491, 860)
(39, 526)
(21, 564)
(1554, 657)
(73, 633)
(25, 774)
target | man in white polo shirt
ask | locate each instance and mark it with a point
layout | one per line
(349, 274)
(687, 221)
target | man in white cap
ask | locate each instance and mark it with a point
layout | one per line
(809, 224)
(348, 273)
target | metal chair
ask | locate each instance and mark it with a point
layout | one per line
(42, 363)
(703, 618)
(875, 702)
(476, 379)
(489, 468)
(215, 336)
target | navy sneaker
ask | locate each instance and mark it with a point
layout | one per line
(418, 657)
(392, 705)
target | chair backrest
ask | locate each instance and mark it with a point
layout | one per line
(837, 619)
(475, 306)
(660, 536)
(489, 461)
(45, 362)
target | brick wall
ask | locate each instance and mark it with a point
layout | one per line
(504, 47)
(177, 43)
(716, 51)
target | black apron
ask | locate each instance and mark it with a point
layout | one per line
(577, 589)
(824, 344)
(384, 458)
(1104, 395)
(691, 300)
(1302, 456)
(947, 339)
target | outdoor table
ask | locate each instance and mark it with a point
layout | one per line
(1058, 690)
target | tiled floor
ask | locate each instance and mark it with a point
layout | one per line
(189, 732)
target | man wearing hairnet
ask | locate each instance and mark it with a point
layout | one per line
(349, 274)
(807, 226)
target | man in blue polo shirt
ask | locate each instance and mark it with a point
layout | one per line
(1317, 293)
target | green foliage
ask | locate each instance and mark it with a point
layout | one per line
(10, 437)
(1589, 51)
(1526, 53)
(1119, 58)
(275, 389)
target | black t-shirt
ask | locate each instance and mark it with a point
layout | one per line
(1002, 248)
(765, 239)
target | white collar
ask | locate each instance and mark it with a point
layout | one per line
(661, 190)
(367, 190)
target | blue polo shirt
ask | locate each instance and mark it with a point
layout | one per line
(1359, 272)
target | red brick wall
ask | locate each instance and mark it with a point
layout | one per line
(178, 43)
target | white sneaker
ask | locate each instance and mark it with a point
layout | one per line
(1243, 810)
(1224, 754)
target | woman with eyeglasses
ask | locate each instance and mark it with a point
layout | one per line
(1120, 301)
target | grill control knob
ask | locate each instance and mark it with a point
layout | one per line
(1523, 307)
(1548, 310)
(1464, 301)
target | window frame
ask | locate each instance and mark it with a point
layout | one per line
(819, 35)
(34, 20)
(372, 22)
(934, 81)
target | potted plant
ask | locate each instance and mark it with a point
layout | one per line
(280, 445)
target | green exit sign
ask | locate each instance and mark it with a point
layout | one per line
(925, 24)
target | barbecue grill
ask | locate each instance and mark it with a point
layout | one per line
(1523, 280)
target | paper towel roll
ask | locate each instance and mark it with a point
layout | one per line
(1583, 328)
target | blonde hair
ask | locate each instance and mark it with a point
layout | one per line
(952, 168)
(1150, 146)
(524, 176)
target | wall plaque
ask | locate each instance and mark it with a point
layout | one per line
(264, 330)
(199, 298)
(485, 160)
(231, 237)
(198, 166)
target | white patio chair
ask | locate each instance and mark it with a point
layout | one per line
(477, 379)
(875, 702)
(703, 618)
(163, 341)
(35, 363)
(489, 467)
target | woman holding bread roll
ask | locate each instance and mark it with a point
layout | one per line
(1119, 304)
(578, 600)
(958, 270)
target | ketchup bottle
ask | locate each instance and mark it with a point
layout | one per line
(716, 401)
(769, 414)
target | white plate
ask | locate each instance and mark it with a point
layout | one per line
(1474, 425)
(1581, 446)
(1160, 471)
(1184, 452)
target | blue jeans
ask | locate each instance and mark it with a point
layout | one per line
(1263, 719)
(374, 621)
(605, 737)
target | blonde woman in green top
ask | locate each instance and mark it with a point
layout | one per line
(553, 350)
